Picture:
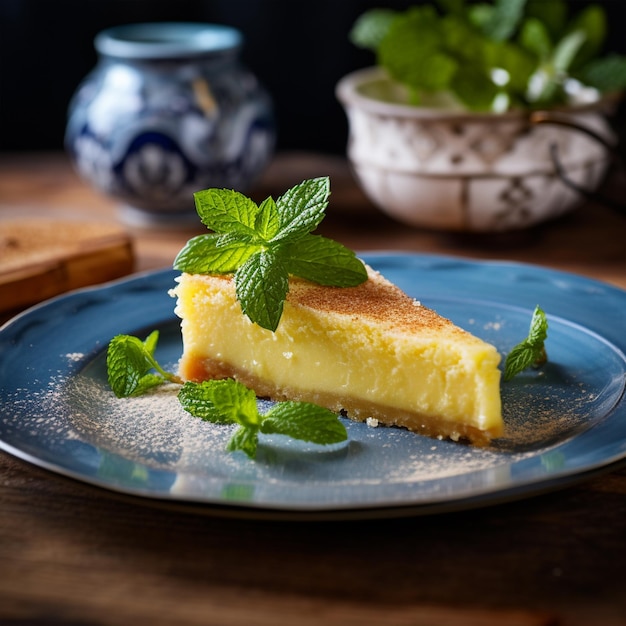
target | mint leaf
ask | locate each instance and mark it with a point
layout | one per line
(267, 222)
(521, 357)
(129, 365)
(538, 331)
(530, 351)
(230, 402)
(220, 401)
(414, 51)
(150, 342)
(566, 50)
(504, 19)
(518, 63)
(127, 362)
(553, 16)
(304, 421)
(591, 24)
(323, 261)
(246, 440)
(226, 211)
(607, 75)
(197, 399)
(214, 254)
(261, 285)
(146, 382)
(465, 44)
(235, 401)
(301, 209)
(474, 89)
(371, 27)
(535, 38)
(481, 15)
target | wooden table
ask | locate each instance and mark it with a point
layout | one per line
(72, 554)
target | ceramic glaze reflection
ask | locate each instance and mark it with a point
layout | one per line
(169, 110)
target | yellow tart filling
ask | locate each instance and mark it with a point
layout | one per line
(368, 351)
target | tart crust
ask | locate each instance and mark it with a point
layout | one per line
(365, 351)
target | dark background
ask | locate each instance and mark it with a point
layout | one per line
(298, 49)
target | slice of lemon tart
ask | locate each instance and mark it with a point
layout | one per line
(369, 351)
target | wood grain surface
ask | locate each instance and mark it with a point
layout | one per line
(44, 257)
(72, 554)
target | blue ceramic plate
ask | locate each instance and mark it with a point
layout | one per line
(563, 422)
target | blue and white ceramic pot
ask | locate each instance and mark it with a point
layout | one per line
(167, 111)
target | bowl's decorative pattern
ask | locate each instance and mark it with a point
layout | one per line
(458, 171)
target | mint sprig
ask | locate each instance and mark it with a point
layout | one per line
(264, 244)
(492, 55)
(531, 351)
(230, 402)
(132, 370)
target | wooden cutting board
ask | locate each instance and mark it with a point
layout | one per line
(41, 258)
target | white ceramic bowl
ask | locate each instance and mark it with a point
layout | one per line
(451, 170)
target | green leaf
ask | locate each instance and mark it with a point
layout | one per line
(151, 341)
(236, 401)
(481, 15)
(267, 222)
(474, 89)
(591, 22)
(246, 440)
(323, 261)
(566, 50)
(517, 62)
(214, 254)
(521, 357)
(504, 19)
(230, 402)
(129, 361)
(434, 73)
(197, 399)
(607, 75)
(261, 285)
(301, 208)
(538, 331)
(464, 43)
(414, 52)
(371, 27)
(535, 38)
(221, 402)
(552, 14)
(147, 382)
(304, 421)
(530, 351)
(227, 211)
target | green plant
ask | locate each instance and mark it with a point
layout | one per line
(494, 55)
